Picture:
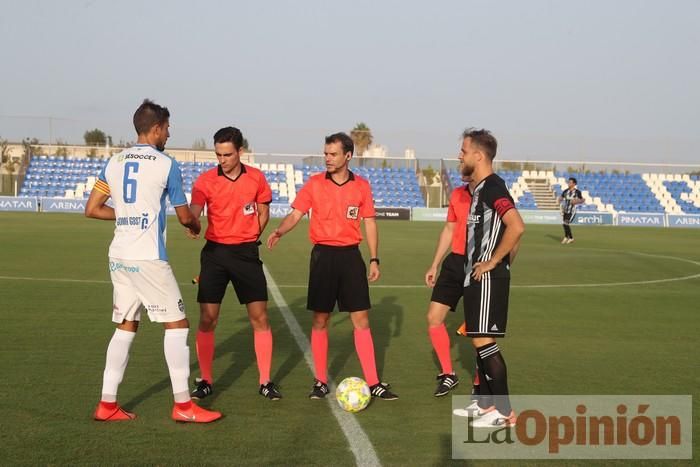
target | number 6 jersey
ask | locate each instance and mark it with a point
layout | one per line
(138, 179)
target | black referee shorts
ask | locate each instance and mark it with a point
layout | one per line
(449, 286)
(486, 306)
(239, 264)
(337, 274)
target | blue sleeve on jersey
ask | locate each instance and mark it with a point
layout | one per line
(174, 186)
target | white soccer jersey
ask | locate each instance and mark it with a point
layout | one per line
(138, 179)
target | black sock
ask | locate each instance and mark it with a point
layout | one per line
(567, 231)
(485, 399)
(476, 391)
(495, 376)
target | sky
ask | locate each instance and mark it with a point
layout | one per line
(571, 80)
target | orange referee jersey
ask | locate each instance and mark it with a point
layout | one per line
(458, 211)
(232, 211)
(336, 209)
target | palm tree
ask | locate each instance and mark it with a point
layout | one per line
(362, 137)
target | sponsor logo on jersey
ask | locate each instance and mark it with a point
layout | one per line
(474, 218)
(249, 209)
(117, 266)
(141, 157)
(353, 212)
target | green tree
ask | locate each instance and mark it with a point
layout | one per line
(429, 174)
(97, 137)
(362, 137)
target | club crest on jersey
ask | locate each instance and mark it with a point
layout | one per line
(249, 209)
(353, 212)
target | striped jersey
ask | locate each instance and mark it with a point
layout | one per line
(138, 179)
(568, 196)
(490, 201)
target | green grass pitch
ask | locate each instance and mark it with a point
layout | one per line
(55, 304)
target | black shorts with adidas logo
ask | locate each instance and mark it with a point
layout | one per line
(486, 306)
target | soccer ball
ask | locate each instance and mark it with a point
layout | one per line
(353, 394)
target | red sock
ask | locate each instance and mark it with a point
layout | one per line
(184, 405)
(263, 353)
(365, 351)
(109, 405)
(476, 377)
(205, 354)
(319, 349)
(441, 344)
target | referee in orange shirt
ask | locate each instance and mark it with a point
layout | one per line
(448, 287)
(339, 200)
(237, 197)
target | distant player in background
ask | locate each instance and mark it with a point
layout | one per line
(494, 228)
(448, 287)
(339, 201)
(138, 180)
(569, 200)
(238, 199)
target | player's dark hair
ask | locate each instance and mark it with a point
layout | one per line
(344, 139)
(229, 134)
(148, 115)
(572, 179)
(484, 139)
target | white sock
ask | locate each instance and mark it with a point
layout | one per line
(177, 355)
(115, 365)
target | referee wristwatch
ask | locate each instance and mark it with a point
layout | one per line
(374, 260)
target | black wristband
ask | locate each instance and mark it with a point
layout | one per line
(374, 260)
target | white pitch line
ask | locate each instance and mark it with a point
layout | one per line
(359, 442)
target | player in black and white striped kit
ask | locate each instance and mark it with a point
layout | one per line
(568, 200)
(494, 229)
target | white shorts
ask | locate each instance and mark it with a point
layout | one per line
(150, 283)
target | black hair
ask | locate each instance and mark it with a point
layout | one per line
(344, 139)
(229, 134)
(484, 139)
(148, 115)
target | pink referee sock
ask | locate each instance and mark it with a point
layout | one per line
(263, 353)
(441, 344)
(365, 351)
(319, 350)
(205, 354)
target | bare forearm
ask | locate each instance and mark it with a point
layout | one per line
(513, 253)
(103, 212)
(263, 216)
(289, 222)
(372, 234)
(509, 241)
(443, 245)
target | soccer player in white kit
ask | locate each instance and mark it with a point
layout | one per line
(138, 180)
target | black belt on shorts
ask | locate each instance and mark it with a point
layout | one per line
(321, 246)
